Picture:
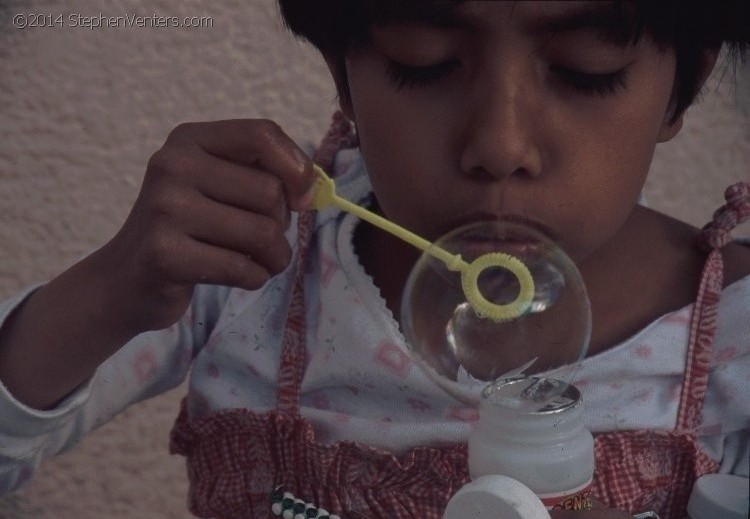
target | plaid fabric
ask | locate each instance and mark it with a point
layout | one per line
(648, 470)
(236, 458)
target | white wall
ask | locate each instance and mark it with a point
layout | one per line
(82, 110)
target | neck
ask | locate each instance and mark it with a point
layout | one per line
(651, 267)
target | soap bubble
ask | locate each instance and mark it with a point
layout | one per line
(463, 351)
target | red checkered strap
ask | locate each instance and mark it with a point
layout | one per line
(293, 351)
(713, 237)
(341, 134)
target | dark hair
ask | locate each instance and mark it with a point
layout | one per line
(337, 27)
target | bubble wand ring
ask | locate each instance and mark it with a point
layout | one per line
(325, 195)
(486, 308)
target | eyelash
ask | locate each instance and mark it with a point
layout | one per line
(590, 84)
(406, 76)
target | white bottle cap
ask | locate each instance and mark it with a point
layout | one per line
(719, 496)
(495, 496)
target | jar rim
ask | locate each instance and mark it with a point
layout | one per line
(532, 395)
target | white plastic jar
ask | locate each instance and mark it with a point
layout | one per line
(531, 429)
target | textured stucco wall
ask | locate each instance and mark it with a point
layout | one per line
(81, 112)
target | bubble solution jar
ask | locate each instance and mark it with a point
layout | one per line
(538, 441)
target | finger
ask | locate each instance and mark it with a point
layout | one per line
(243, 187)
(199, 262)
(262, 144)
(228, 268)
(258, 236)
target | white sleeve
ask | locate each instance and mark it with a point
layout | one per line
(150, 364)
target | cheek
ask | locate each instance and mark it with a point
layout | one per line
(622, 130)
(404, 143)
(608, 155)
(595, 182)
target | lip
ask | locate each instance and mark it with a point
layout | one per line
(480, 216)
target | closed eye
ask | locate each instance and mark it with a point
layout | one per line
(589, 83)
(409, 76)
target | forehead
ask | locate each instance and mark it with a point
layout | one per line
(613, 21)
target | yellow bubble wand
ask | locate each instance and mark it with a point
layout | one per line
(325, 196)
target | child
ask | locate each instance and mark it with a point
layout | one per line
(300, 380)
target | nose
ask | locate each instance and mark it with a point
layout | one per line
(500, 137)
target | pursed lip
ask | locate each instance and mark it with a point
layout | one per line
(477, 217)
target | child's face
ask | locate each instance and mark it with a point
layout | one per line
(511, 109)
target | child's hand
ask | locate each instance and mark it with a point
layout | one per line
(213, 208)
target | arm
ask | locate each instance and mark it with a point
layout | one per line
(213, 209)
(54, 340)
(149, 364)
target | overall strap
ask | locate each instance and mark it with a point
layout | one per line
(292, 363)
(713, 237)
(293, 352)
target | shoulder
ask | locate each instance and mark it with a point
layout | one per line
(659, 270)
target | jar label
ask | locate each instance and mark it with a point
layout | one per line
(577, 499)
